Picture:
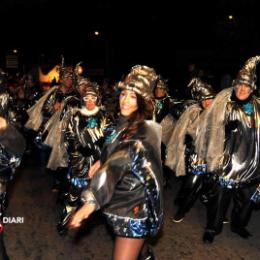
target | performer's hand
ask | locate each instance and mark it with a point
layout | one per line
(3, 123)
(80, 215)
(93, 169)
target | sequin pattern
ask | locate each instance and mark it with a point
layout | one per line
(136, 227)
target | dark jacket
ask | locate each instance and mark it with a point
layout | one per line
(128, 186)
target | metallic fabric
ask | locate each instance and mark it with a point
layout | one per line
(241, 154)
(247, 74)
(128, 185)
(228, 139)
(201, 90)
(142, 80)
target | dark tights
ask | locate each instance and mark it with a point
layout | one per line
(127, 248)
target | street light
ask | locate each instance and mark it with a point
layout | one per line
(80, 70)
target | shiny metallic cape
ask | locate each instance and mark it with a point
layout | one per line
(167, 124)
(210, 137)
(35, 112)
(131, 175)
(175, 151)
(55, 139)
(12, 141)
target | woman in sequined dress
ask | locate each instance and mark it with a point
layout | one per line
(127, 181)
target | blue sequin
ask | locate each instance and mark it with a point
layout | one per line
(79, 182)
(229, 184)
(92, 122)
(199, 169)
(138, 228)
(111, 137)
(111, 134)
(159, 105)
(153, 195)
(256, 196)
(248, 108)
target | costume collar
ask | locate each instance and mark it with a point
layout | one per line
(84, 111)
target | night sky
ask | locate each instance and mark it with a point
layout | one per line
(144, 32)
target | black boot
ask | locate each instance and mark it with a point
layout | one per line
(178, 217)
(147, 255)
(241, 231)
(66, 215)
(209, 236)
(69, 208)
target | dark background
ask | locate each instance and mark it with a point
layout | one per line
(165, 36)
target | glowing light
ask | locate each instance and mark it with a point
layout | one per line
(96, 33)
(50, 76)
(80, 70)
(230, 17)
(15, 51)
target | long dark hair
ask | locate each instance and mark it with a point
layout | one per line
(144, 112)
